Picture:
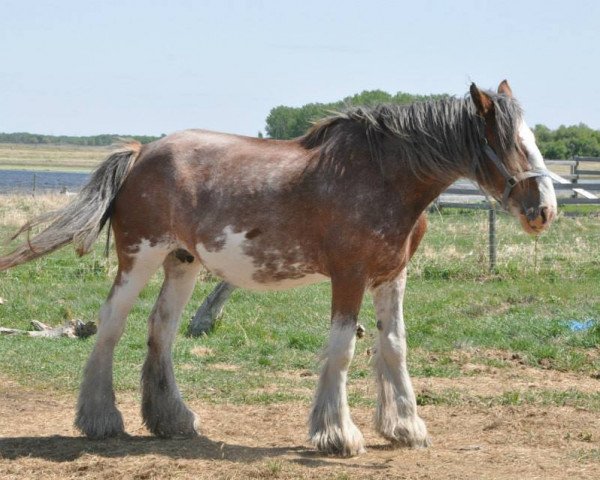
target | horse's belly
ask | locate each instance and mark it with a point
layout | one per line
(269, 270)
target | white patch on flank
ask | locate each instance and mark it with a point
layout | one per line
(146, 260)
(547, 195)
(234, 265)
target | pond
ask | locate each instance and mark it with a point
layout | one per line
(28, 181)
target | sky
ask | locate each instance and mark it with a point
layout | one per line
(151, 67)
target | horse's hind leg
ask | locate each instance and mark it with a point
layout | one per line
(396, 416)
(163, 411)
(211, 309)
(97, 415)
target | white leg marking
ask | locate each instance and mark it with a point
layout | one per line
(164, 412)
(331, 429)
(97, 415)
(396, 415)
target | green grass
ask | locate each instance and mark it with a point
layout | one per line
(543, 397)
(265, 349)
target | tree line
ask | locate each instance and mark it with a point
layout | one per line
(285, 122)
(562, 143)
(566, 142)
(88, 141)
(290, 122)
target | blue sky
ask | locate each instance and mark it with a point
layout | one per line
(152, 67)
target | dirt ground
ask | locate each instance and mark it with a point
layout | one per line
(37, 439)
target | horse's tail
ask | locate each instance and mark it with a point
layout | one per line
(81, 221)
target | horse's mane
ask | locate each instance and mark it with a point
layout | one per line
(428, 137)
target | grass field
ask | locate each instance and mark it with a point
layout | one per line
(50, 157)
(477, 340)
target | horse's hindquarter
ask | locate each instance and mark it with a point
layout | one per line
(253, 212)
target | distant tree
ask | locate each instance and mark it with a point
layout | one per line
(282, 122)
(290, 122)
(566, 142)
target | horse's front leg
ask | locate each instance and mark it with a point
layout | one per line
(331, 429)
(396, 416)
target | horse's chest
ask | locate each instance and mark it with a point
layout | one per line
(242, 261)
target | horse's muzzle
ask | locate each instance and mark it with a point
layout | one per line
(536, 220)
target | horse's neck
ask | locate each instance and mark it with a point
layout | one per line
(419, 191)
(422, 195)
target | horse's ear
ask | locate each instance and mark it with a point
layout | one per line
(483, 103)
(504, 88)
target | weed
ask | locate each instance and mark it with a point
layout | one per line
(274, 468)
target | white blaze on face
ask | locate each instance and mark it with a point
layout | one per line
(534, 156)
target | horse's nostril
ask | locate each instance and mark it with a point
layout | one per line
(531, 214)
(544, 215)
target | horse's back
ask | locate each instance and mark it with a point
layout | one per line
(197, 145)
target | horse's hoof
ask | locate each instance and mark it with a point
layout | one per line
(97, 427)
(405, 432)
(184, 424)
(334, 442)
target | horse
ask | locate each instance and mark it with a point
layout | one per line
(345, 202)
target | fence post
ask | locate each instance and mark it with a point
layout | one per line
(34, 183)
(574, 175)
(493, 241)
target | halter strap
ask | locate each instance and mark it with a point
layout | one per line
(511, 180)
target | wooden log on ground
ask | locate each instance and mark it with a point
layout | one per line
(72, 329)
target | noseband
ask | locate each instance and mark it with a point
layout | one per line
(511, 180)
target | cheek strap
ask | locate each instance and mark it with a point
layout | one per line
(511, 180)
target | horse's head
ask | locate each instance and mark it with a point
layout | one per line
(511, 167)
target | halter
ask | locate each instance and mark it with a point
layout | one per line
(511, 180)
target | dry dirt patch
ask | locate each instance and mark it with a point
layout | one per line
(37, 440)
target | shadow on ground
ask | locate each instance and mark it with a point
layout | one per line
(59, 448)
